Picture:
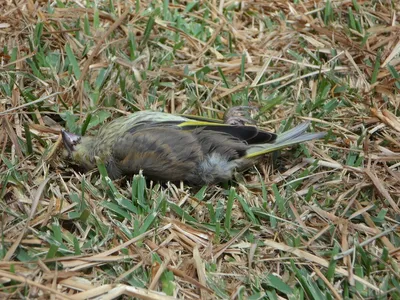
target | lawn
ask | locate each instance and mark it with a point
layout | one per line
(318, 220)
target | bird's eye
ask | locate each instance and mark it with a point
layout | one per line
(76, 141)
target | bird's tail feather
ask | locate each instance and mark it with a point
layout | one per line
(291, 137)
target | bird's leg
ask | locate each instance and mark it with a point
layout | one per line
(240, 115)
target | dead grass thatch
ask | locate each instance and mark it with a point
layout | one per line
(318, 221)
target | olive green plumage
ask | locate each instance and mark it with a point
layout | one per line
(177, 148)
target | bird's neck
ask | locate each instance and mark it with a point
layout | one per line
(84, 154)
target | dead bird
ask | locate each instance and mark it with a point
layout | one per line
(175, 148)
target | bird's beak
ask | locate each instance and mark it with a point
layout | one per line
(70, 140)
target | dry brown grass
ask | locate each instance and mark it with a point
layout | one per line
(323, 219)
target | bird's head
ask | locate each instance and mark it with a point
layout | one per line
(70, 141)
(77, 149)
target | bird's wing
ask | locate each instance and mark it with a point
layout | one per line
(146, 119)
(250, 134)
(203, 119)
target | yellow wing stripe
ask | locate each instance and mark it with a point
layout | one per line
(202, 119)
(201, 123)
(258, 153)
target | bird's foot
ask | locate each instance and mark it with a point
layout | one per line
(240, 115)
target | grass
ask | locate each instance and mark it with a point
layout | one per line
(317, 221)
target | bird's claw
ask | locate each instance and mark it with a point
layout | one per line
(240, 115)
